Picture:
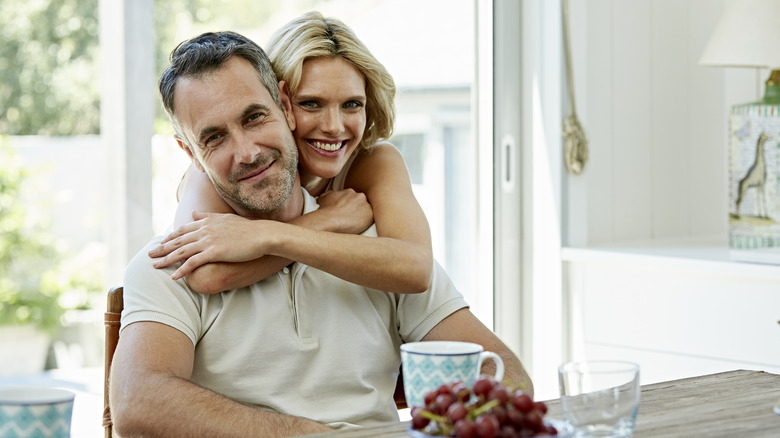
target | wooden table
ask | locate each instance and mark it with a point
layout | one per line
(732, 404)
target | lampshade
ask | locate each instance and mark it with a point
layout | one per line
(747, 35)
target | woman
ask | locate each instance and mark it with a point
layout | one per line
(342, 100)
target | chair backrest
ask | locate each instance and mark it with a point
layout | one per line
(115, 304)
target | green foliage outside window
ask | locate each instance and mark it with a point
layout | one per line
(50, 56)
(48, 67)
(37, 284)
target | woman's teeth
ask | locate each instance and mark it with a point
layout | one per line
(330, 147)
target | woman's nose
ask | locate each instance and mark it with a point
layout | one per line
(332, 122)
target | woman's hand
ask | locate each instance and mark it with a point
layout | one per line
(213, 237)
(349, 210)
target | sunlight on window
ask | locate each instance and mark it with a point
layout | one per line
(53, 117)
(432, 63)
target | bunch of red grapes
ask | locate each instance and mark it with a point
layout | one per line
(487, 410)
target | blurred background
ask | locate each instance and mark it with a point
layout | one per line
(61, 238)
(553, 262)
(89, 169)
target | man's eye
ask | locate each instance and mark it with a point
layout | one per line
(213, 140)
(253, 117)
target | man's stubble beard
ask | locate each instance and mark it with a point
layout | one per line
(265, 196)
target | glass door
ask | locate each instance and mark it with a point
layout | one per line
(433, 62)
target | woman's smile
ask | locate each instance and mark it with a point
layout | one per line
(327, 146)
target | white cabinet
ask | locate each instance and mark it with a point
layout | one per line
(657, 124)
(678, 309)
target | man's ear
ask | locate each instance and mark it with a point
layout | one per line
(284, 98)
(188, 151)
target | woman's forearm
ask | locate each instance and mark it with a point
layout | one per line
(376, 262)
(215, 277)
(379, 263)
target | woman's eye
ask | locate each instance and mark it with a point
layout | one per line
(308, 104)
(353, 104)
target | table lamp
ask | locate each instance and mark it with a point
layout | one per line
(748, 35)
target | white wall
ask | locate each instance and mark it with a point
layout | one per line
(656, 121)
(647, 271)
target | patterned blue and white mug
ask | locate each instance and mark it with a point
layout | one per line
(35, 412)
(428, 365)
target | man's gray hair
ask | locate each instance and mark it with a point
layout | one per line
(207, 53)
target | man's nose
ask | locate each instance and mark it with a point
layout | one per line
(333, 122)
(244, 148)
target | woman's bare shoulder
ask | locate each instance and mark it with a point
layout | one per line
(382, 165)
(381, 151)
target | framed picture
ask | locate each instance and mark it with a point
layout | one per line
(754, 178)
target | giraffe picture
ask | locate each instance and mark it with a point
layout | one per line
(754, 176)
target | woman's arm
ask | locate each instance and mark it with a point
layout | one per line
(196, 193)
(402, 252)
(345, 213)
(401, 225)
(399, 260)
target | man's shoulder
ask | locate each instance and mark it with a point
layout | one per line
(141, 268)
(141, 258)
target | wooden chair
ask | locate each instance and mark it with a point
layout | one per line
(115, 304)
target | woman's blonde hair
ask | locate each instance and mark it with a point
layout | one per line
(313, 36)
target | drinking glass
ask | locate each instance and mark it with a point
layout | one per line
(600, 398)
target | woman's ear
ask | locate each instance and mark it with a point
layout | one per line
(284, 98)
(188, 151)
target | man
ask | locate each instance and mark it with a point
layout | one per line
(299, 352)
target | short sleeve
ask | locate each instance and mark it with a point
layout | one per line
(151, 295)
(419, 313)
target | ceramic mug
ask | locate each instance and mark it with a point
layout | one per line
(428, 365)
(34, 411)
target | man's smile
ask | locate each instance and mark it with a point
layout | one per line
(256, 174)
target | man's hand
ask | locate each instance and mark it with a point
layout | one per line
(348, 210)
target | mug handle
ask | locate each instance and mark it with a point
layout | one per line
(497, 359)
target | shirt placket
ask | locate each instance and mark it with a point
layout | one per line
(297, 294)
(287, 284)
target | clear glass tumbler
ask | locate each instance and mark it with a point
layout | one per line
(600, 398)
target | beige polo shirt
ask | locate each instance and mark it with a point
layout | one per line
(301, 342)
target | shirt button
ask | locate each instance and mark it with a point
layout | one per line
(286, 270)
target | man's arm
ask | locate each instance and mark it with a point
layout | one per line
(464, 326)
(151, 394)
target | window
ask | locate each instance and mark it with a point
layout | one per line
(412, 147)
(433, 65)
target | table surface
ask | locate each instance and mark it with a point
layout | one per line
(732, 404)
